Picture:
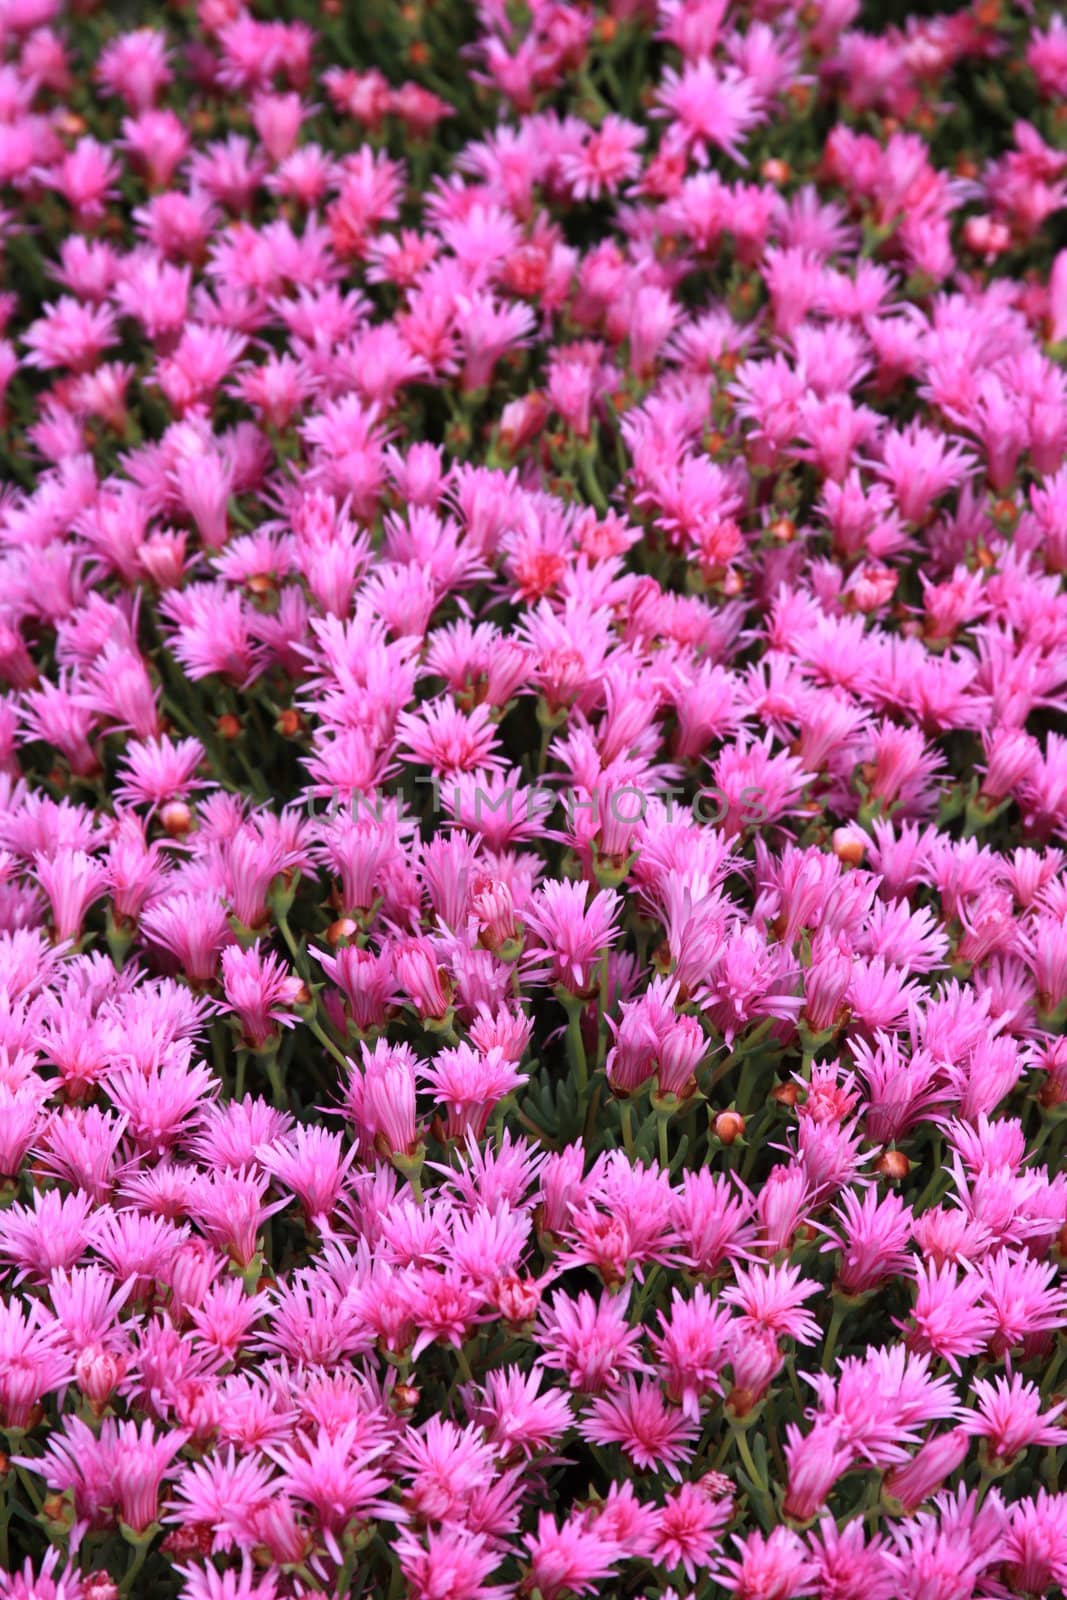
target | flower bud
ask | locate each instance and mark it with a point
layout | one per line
(892, 1164)
(915, 1480)
(518, 1299)
(100, 1586)
(98, 1372)
(850, 846)
(405, 1397)
(177, 818)
(729, 1126)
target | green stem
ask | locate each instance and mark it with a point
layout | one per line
(937, 1179)
(298, 955)
(776, 1449)
(627, 1117)
(576, 1046)
(300, 962)
(645, 1294)
(327, 1043)
(602, 1020)
(542, 755)
(791, 1372)
(837, 1317)
(464, 1364)
(1050, 1470)
(590, 482)
(1052, 1372)
(137, 1561)
(756, 1143)
(759, 1483)
(30, 1488)
(591, 1112)
(218, 1047)
(1043, 1133)
(746, 1456)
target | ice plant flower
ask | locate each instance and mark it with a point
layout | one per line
(533, 820)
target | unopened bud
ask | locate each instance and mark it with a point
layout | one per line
(518, 1299)
(717, 1485)
(343, 928)
(228, 726)
(177, 818)
(54, 1509)
(893, 1164)
(405, 1397)
(99, 1586)
(1005, 514)
(191, 1541)
(850, 846)
(729, 1126)
(98, 1371)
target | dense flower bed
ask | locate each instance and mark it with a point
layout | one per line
(533, 924)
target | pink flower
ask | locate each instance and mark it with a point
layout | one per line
(569, 1557)
(34, 1363)
(709, 108)
(771, 1298)
(692, 1349)
(448, 1561)
(574, 930)
(380, 1098)
(134, 66)
(950, 1318)
(920, 466)
(915, 1480)
(72, 880)
(607, 159)
(590, 1340)
(261, 990)
(322, 1472)
(647, 1429)
(1009, 1418)
(815, 1461)
(448, 740)
(487, 330)
(689, 1525)
(774, 1567)
(876, 1232)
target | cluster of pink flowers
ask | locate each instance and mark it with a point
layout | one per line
(533, 820)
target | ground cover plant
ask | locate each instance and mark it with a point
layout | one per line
(533, 800)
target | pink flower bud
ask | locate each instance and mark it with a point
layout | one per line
(98, 1372)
